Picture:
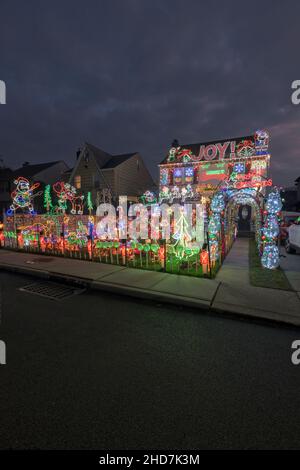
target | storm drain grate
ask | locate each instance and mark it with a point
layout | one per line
(51, 290)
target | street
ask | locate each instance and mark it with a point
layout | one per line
(97, 371)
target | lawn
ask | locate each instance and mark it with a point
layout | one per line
(262, 277)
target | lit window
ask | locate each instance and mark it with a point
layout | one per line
(77, 181)
(189, 174)
(177, 175)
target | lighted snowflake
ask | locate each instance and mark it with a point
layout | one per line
(239, 167)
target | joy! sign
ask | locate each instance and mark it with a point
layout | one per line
(228, 149)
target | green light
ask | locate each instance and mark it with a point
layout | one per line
(215, 172)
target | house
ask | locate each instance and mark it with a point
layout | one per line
(196, 171)
(46, 173)
(97, 171)
(6, 178)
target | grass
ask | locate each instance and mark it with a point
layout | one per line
(262, 277)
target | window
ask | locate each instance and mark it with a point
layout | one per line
(77, 181)
(189, 175)
(177, 176)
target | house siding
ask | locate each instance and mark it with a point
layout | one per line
(89, 173)
(133, 179)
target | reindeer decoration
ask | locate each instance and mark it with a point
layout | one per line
(65, 192)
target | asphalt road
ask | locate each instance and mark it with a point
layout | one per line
(104, 372)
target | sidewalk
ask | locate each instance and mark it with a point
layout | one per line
(230, 292)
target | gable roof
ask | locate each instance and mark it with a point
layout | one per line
(28, 171)
(116, 160)
(105, 160)
(101, 157)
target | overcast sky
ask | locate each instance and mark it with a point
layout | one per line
(132, 75)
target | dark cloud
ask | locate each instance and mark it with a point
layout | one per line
(134, 74)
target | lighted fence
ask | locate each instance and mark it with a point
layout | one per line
(74, 236)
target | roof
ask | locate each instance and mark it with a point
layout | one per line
(116, 160)
(101, 157)
(195, 148)
(5, 173)
(106, 160)
(28, 171)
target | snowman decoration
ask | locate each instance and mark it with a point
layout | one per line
(23, 195)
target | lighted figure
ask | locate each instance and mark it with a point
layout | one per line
(23, 195)
(148, 198)
(91, 226)
(204, 259)
(270, 257)
(172, 154)
(65, 192)
(218, 203)
(175, 194)
(274, 203)
(261, 138)
(271, 227)
(187, 192)
(214, 253)
(164, 194)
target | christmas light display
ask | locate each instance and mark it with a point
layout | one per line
(274, 203)
(222, 175)
(148, 198)
(270, 257)
(90, 203)
(23, 195)
(67, 193)
(47, 198)
(270, 231)
(239, 167)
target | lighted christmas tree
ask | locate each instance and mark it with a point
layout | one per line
(90, 203)
(47, 198)
(182, 236)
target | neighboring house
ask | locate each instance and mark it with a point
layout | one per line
(96, 171)
(47, 173)
(6, 177)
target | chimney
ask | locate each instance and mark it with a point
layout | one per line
(175, 143)
(78, 153)
(25, 164)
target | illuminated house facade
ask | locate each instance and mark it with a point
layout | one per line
(190, 172)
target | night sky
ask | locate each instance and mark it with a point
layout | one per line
(133, 75)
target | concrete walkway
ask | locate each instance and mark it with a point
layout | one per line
(230, 292)
(238, 295)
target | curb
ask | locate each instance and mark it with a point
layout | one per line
(203, 305)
